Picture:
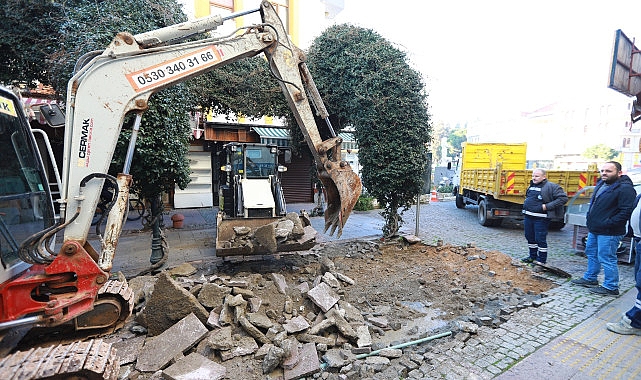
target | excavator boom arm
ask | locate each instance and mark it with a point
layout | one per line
(132, 68)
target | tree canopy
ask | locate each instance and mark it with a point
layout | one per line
(368, 84)
(600, 152)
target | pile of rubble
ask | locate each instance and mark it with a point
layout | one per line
(254, 325)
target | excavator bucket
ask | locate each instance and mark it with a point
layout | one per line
(257, 236)
(342, 188)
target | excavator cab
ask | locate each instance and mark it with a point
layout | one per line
(25, 200)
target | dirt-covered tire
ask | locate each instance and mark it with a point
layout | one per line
(482, 214)
(460, 202)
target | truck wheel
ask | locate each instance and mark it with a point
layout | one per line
(482, 216)
(460, 202)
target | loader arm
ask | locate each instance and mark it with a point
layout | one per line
(122, 78)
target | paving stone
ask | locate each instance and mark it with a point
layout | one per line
(160, 350)
(279, 281)
(296, 324)
(307, 365)
(168, 304)
(194, 367)
(323, 296)
(184, 269)
(330, 280)
(129, 349)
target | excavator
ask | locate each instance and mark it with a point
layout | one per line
(48, 281)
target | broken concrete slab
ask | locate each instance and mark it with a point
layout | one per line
(195, 367)
(309, 338)
(323, 296)
(168, 304)
(343, 326)
(253, 330)
(259, 320)
(265, 236)
(245, 345)
(307, 364)
(291, 353)
(331, 280)
(160, 350)
(273, 358)
(220, 339)
(212, 295)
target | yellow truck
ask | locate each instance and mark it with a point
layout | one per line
(494, 177)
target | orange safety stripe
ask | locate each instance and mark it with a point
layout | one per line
(583, 180)
(510, 183)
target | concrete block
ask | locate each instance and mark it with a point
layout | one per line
(195, 367)
(159, 351)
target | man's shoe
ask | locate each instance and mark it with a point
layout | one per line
(604, 291)
(623, 327)
(527, 260)
(583, 282)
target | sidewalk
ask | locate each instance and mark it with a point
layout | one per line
(565, 338)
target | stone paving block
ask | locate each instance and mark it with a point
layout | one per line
(159, 351)
(323, 296)
(129, 349)
(307, 365)
(279, 281)
(296, 324)
(194, 367)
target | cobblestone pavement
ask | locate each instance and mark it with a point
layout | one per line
(534, 343)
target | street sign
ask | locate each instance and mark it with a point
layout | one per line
(625, 70)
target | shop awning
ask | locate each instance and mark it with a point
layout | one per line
(278, 136)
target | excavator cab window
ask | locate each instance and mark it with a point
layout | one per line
(25, 206)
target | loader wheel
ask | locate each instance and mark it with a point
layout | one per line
(460, 202)
(482, 215)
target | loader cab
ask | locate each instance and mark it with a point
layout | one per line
(25, 200)
(251, 184)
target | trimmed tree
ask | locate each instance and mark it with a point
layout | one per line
(369, 84)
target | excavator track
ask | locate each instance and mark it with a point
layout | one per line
(114, 305)
(90, 360)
